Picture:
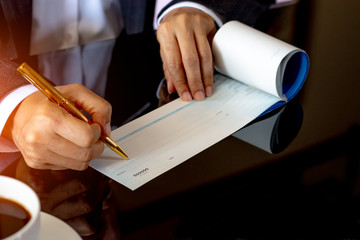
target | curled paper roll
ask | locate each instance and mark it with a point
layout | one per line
(260, 60)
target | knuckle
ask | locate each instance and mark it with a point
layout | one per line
(195, 87)
(163, 30)
(174, 64)
(107, 107)
(77, 86)
(180, 84)
(88, 137)
(206, 57)
(192, 60)
(34, 163)
(83, 167)
(87, 155)
(31, 137)
(100, 148)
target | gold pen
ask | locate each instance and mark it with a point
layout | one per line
(55, 96)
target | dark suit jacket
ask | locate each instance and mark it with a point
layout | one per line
(15, 20)
(246, 11)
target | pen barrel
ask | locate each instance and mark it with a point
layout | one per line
(47, 89)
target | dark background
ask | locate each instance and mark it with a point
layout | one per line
(310, 190)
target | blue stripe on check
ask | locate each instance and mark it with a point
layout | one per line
(153, 122)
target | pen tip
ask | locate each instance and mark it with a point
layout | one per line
(125, 156)
(121, 152)
(115, 147)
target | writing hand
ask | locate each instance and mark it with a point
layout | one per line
(185, 35)
(51, 138)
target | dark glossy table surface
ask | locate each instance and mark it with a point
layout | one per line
(308, 188)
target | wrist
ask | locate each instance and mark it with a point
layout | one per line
(217, 18)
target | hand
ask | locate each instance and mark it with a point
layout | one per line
(51, 138)
(185, 35)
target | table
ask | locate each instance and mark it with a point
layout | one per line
(231, 190)
(234, 190)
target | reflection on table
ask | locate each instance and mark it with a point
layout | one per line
(81, 199)
(274, 131)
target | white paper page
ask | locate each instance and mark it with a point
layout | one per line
(171, 134)
(251, 57)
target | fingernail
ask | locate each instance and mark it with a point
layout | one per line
(108, 129)
(186, 96)
(169, 91)
(209, 91)
(199, 95)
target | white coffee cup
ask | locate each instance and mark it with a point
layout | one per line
(19, 192)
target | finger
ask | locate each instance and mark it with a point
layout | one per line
(75, 130)
(70, 151)
(62, 192)
(72, 207)
(172, 59)
(54, 161)
(206, 63)
(170, 86)
(82, 226)
(61, 163)
(45, 166)
(96, 106)
(191, 64)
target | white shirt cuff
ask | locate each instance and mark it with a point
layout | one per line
(282, 3)
(208, 11)
(9, 103)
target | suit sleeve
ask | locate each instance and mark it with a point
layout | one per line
(245, 11)
(10, 78)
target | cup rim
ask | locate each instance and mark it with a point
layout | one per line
(33, 218)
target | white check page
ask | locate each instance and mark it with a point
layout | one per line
(173, 133)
